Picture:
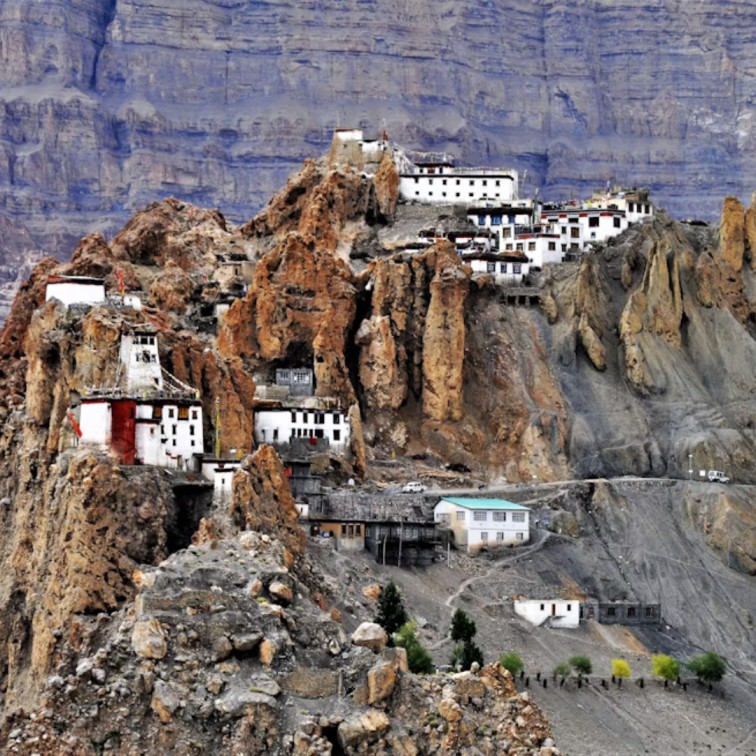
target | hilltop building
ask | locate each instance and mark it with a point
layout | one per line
(549, 612)
(288, 414)
(75, 290)
(148, 417)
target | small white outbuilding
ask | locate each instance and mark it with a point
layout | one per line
(551, 612)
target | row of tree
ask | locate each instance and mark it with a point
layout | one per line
(708, 667)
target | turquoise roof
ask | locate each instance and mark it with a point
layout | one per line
(483, 503)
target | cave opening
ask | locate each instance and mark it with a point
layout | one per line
(331, 734)
(193, 501)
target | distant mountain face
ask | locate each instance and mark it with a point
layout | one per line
(106, 106)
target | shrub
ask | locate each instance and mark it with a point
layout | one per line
(620, 669)
(665, 667)
(391, 613)
(581, 664)
(562, 669)
(462, 627)
(708, 667)
(419, 660)
(513, 662)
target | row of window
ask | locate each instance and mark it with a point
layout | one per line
(500, 536)
(516, 268)
(184, 413)
(471, 195)
(308, 433)
(482, 516)
(318, 418)
(520, 247)
(632, 611)
(631, 206)
(470, 182)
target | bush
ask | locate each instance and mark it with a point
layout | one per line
(620, 669)
(665, 667)
(419, 660)
(708, 667)
(462, 627)
(513, 662)
(391, 613)
(563, 669)
(581, 664)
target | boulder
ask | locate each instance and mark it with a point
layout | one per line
(237, 703)
(280, 592)
(362, 727)
(370, 635)
(164, 701)
(381, 681)
(148, 640)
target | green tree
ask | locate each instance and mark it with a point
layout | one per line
(665, 668)
(562, 670)
(391, 613)
(513, 662)
(418, 658)
(708, 667)
(581, 664)
(465, 654)
(462, 627)
(620, 670)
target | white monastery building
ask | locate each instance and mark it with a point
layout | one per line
(149, 417)
(551, 612)
(440, 182)
(478, 523)
(281, 425)
(75, 290)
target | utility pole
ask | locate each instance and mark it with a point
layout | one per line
(401, 535)
(217, 428)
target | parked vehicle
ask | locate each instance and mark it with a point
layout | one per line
(717, 476)
(414, 486)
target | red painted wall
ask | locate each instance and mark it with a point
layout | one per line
(123, 434)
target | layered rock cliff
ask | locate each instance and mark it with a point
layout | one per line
(107, 106)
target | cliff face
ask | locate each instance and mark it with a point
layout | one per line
(105, 106)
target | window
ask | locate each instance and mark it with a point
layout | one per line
(531, 246)
(472, 183)
(509, 248)
(518, 516)
(552, 246)
(162, 429)
(480, 516)
(500, 516)
(593, 222)
(498, 182)
(649, 611)
(484, 536)
(444, 182)
(358, 530)
(460, 515)
(183, 413)
(191, 430)
(569, 607)
(611, 612)
(485, 183)
(616, 222)
(319, 418)
(171, 412)
(564, 247)
(293, 417)
(520, 537)
(495, 220)
(275, 434)
(481, 220)
(318, 433)
(490, 267)
(416, 180)
(499, 536)
(519, 247)
(574, 220)
(563, 230)
(457, 194)
(336, 418)
(174, 442)
(337, 435)
(192, 442)
(305, 418)
(457, 183)
(417, 194)
(157, 413)
(543, 607)
(502, 269)
(631, 611)
(506, 233)
(516, 268)
(574, 233)
(430, 181)
(195, 415)
(173, 429)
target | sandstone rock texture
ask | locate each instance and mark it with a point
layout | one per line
(580, 94)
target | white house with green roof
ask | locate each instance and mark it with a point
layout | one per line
(477, 523)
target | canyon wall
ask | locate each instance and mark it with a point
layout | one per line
(106, 106)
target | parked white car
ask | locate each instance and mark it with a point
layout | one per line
(414, 486)
(717, 476)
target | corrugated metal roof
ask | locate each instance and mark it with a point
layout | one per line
(483, 503)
